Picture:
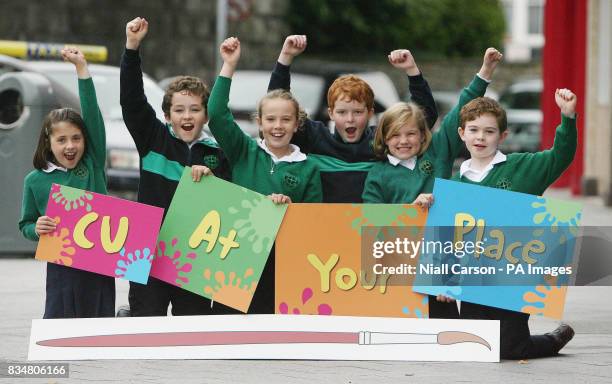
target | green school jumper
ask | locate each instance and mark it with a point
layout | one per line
(528, 173)
(72, 292)
(252, 167)
(89, 173)
(396, 184)
(533, 172)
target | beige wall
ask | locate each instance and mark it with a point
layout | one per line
(598, 145)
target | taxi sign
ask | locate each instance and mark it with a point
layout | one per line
(40, 50)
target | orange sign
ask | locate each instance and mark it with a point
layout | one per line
(320, 268)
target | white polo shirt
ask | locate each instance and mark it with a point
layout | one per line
(476, 175)
(408, 163)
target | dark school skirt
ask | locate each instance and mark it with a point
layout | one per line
(76, 293)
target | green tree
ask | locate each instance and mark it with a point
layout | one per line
(438, 27)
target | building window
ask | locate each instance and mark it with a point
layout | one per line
(508, 9)
(536, 54)
(536, 17)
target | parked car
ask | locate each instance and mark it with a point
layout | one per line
(446, 100)
(122, 157)
(310, 89)
(521, 100)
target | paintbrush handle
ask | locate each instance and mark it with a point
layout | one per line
(442, 338)
(380, 338)
(177, 339)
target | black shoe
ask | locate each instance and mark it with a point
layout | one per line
(561, 336)
(123, 311)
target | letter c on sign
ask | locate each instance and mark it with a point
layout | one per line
(81, 227)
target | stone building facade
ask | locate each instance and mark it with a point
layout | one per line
(181, 37)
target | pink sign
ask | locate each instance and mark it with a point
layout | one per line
(101, 234)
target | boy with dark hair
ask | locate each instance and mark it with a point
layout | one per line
(483, 128)
(165, 149)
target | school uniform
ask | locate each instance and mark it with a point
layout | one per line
(344, 166)
(163, 156)
(255, 167)
(528, 173)
(72, 292)
(398, 181)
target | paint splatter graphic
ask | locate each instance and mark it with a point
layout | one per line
(231, 289)
(380, 216)
(255, 225)
(57, 246)
(71, 198)
(453, 292)
(134, 266)
(168, 262)
(557, 212)
(419, 311)
(548, 300)
(322, 309)
(368, 215)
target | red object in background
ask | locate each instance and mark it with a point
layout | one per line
(239, 10)
(564, 66)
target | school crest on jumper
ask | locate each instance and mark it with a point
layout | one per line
(426, 167)
(504, 183)
(291, 181)
(80, 171)
(211, 161)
